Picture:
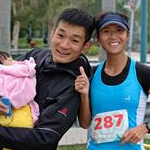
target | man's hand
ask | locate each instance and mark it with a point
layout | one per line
(134, 135)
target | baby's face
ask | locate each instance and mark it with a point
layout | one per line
(9, 61)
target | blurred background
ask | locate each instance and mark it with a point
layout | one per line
(31, 21)
(26, 24)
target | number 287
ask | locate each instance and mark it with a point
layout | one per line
(108, 121)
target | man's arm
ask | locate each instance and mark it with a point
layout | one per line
(53, 123)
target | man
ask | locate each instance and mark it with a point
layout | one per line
(56, 71)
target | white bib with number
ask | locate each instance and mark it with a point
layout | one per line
(109, 126)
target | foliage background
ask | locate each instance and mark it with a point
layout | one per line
(37, 17)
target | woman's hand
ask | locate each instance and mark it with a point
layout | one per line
(82, 83)
(134, 135)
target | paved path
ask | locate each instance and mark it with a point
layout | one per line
(135, 55)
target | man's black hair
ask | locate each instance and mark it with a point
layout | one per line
(4, 55)
(78, 17)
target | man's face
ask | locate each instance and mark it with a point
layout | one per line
(67, 42)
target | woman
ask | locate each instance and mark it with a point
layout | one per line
(118, 93)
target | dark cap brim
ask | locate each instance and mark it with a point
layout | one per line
(113, 22)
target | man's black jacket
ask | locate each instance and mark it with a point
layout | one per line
(58, 102)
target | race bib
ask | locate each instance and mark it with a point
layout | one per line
(109, 126)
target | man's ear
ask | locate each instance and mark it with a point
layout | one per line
(87, 45)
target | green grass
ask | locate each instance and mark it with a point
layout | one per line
(72, 147)
(83, 146)
(24, 45)
(147, 141)
(93, 50)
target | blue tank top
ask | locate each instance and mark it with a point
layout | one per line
(128, 95)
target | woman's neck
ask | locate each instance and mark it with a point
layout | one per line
(115, 64)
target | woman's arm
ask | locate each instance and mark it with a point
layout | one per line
(82, 86)
(85, 112)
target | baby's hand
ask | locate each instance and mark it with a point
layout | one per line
(3, 107)
(82, 82)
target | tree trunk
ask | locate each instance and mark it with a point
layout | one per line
(15, 35)
(5, 25)
(107, 5)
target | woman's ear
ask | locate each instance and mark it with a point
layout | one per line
(52, 32)
(128, 35)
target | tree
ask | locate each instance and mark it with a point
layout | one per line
(5, 25)
(42, 14)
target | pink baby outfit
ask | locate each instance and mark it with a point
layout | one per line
(18, 83)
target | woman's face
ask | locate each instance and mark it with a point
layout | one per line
(113, 39)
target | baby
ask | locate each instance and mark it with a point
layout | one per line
(18, 82)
